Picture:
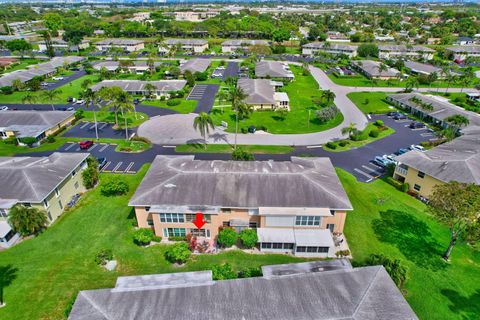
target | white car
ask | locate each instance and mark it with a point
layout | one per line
(3, 108)
(57, 78)
(390, 158)
(417, 147)
(80, 101)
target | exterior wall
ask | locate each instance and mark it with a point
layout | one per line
(411, 177)
(65, 123)
(66, 190)
(412, 55)
(338, 220)
(312, 51)
(263, 106)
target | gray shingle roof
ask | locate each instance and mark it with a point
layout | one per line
(183, 181)
(458, 160)
(423, 68)
(32, 123)
(372, 68)
(332, 46)
(274, 69)
(403, 48)
(138, 85)
(195, 65)
(32, 179)
(259, 91)
(465, 49)
(245, 43)
(119, 42)
(362, 293)
(187, 42)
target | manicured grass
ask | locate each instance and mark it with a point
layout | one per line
(21, 64)
(370, 102)
(53, 267)
(301, 118)
(72, 89)
(387, 221)
(185, 106)
(225, 148)
(356, 144)
(107, 116)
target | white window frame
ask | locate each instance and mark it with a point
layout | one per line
(172, 218)
(309, 221)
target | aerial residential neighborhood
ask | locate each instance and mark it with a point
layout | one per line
(239, 160)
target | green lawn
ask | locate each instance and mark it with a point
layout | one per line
(387, 221)
(52, 268)
(356, 144)
(370, 102)
(185, 106)
(71, 89)
(301, 118)
(107, 116)
(225, 148)
(21, 64)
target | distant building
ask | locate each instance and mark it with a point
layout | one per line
(188, 45)
(273, 69)
(373, 69)
(335, 36)
(310, 49)
(6, 62)
(405, 51)
(139, 67)
(261, 94)
(464, 41)
(138, 87)
(61, 45)
(44, 183)
(128, 45)
(193, 16)
(461, 53)
(195, 65)
(230, 46)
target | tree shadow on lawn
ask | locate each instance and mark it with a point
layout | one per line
(8, 273)
(411, 236)
(469, 307)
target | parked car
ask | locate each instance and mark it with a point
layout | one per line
(86, 144)
(57, 78)
(101, 162)
(3, 108)
(70, 109)
(391, 159)
(252, 129)
(417, 147)
(392, 113)
(71, 99)
(381, 161)
(402, 151)
(80, 101)
(62, 109)
(416, 125)
(399, 116)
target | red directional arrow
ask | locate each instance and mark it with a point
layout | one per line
(198, 222)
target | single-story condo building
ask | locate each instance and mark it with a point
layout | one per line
(460, 53)
(195, 65)
(46, 183)
(36, 124)
(231, 46)
(373, 69)
(139, 87)
(405, 51)
(311, 49)
(261, 94)
(320, 290)
(62, 45)
(294, 206)
(423, 68)
(128, 45)
(457, 160)
(189, 45)
(45, 69)
(273, 69)
(114, 66)
(431, 108)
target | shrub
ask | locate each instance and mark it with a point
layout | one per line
(178, 253)
(79, 114)
(243, 130)
(27, 220)
(227, 237)
(6, 90)
(90, 177)
(250, 272)
(103, 256)
(379, 123)
(11, 140)
(397, 184)
(327, 114)
(358, 135)
(223, 272)
(141, 139)
(241, 155)
(28, 140)
(405, 187)
(156, 238)
(50, 139)
(331, 145)
(114, 187)
(395, 268)
(173, 102)
(177, 238)
(342, 253)
(201, 76)
(142, 236)
(343, 143)
(248, 237)
(374, 133)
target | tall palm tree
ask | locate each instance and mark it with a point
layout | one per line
(458, 120)
(50, 95)
(91, 98)
(151, 63)
(382, 67)
(328, 95)
(124, 102)
(411, 83)
(109, 94)
(350, 129)
(86, 83)
(237, 97)
(450, 78)
(203, 123)
(29, 98)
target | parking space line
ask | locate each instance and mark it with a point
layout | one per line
(70, 146)
(370, 178)
(104, 169)
(371, 171)
(130, 165)
(103, 126)
(314, 147)
(103, 148)
(78, 149)
(84, 125)
(92, 127)
(92, 147)
(117, 166)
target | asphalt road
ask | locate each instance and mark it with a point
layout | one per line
(231, 71)
(66, 80)
(205, 95)
(87, 130)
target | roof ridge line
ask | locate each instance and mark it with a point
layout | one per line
(366, 292)
(93, 304)
(324, 189)
(29, 182)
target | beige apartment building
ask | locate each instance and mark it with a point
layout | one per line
(295, 206)
(45, 183)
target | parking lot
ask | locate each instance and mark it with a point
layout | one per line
(115, 162)
(87, 130)
(205, 95)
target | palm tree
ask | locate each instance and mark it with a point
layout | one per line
(411, 83)
(349, 130)
(50, 95)
(124, 103)
(382, 67)
(466, 79)
(29, 98)
(203, 123)
(86, 83)
(458, 120)
(109, 94)
(450, 78)
(91, 98)
(150, 88)
(328, 95)
(17, 84)
(125, 64)
(151, 64)
(222, 96)
(236, 96)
